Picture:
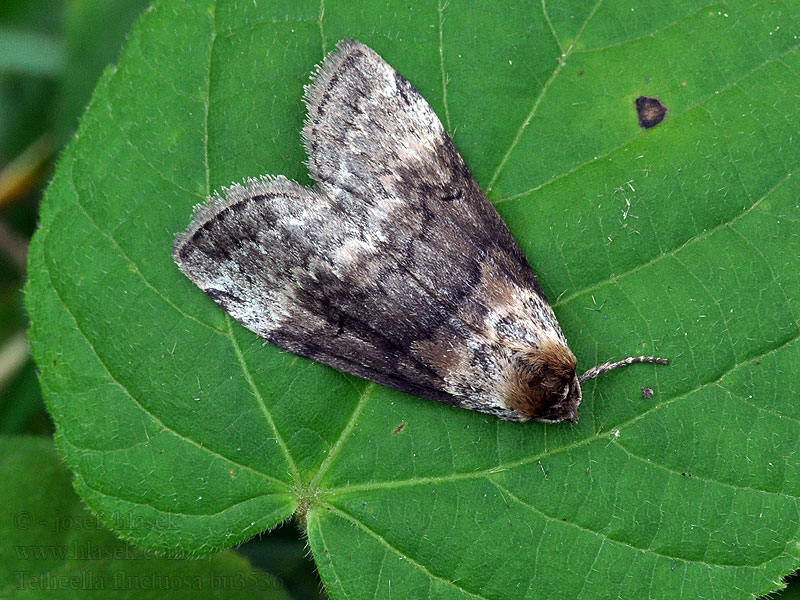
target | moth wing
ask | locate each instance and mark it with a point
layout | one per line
(265, 252)
(373, 141)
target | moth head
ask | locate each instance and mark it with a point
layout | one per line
(542, 384)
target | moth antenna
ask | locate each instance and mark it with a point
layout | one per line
(606, 367)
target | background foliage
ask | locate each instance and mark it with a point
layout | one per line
(52, 543)
(681, 239)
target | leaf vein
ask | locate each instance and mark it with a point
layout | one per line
(144, 159)
(674, 251)
(650, 551)
(346, 431)
(321, 28)
(650, 34)
(267, 415)
(385, 543)
(547, 20)
(442, 6)
(129, 260)
(599, 157)
(658, 465)
(176, 512)
(538, 100)
(745, 400)
(328, 555)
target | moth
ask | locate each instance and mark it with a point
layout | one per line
(394, 267)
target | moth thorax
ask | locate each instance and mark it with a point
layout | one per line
(542, 385)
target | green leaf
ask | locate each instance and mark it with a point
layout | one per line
(52, 543)
(680, 240)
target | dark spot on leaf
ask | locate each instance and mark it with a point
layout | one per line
(580, 73)
(647, 392)
(651, 111)
(399, 428)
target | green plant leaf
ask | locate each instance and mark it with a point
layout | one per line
(680, 240)
(53, 544)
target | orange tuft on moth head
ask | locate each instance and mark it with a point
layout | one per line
(542, 384)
